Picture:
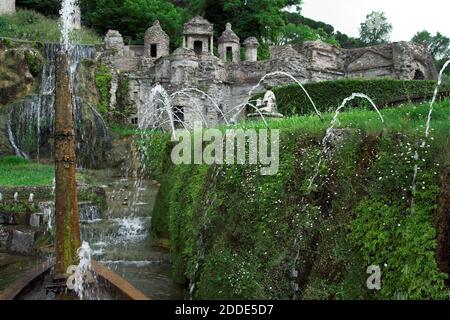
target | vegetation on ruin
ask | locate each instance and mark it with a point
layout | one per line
(103, 78)
(358, 213)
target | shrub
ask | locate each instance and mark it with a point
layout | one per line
(328, 95)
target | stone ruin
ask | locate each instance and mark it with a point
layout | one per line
(229, 80)
(7, 6)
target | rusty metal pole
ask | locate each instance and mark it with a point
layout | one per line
(67, 215)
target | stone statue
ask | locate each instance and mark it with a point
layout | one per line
(267, 107)
(269, 103)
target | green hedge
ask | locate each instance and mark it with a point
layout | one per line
(328, 95)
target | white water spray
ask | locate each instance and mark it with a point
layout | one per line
(329, 132)
(81, 275)
(427, 135)
(204, 94)
(146, 119)
(281, 73)
(436, 91)
(68, 9)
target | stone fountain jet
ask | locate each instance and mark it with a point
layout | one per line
(67, 215)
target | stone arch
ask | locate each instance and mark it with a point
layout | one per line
(198, 46)
(419, 75)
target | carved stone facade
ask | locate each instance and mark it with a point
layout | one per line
(228, 81)
(7, 6)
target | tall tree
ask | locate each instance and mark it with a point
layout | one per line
(102, 15)
(376, 29)
(140, 15)
(133, 17)
(48, 7)
(438, 45)
(264, 19)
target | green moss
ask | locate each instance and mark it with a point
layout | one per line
(35, 62)
(123, 109)
(103, 78)
(389, 234)
(18, 207)
(236, 234)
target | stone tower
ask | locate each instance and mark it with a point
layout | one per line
(229, 46)
(7, 6)
(198, 35)
(251, 49)
(156, 42)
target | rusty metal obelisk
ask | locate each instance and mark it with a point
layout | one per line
(67, 215)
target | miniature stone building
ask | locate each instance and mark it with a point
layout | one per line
(251, 49)
(156, 42)
(195, 66)
(229, 46)
(7, 6)
(198, 35)
(114, 41)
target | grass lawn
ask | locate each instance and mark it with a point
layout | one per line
(17, 172)
(32, 26)
(406, 118)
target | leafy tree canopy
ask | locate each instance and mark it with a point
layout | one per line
(49, 7)
(438, 45)
(265, 19)
(376, 29)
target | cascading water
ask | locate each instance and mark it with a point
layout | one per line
(148, 119)
(31, 122)
(120, 237)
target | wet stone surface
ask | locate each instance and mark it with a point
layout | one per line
(121, 239)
